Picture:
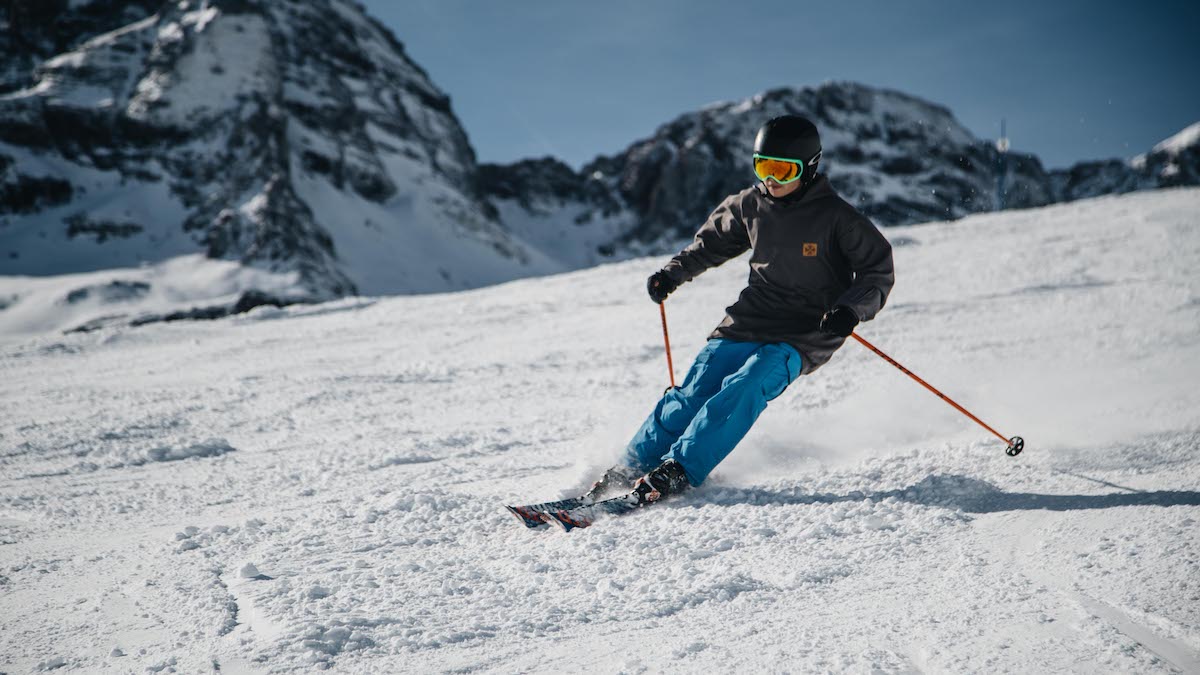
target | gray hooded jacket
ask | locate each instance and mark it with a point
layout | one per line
(811, 252)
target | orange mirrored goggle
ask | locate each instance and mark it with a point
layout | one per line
(781, 169)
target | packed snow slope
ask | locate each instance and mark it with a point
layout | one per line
(320, 486)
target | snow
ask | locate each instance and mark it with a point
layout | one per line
(203, 82)
(557, 231)
(423, 239)
(41, 244)
(1181, 141)
(32, 305)
(338, 471)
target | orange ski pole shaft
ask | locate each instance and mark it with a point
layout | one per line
(662, 309)
(1015, 444)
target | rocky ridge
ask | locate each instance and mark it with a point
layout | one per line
(899, 159)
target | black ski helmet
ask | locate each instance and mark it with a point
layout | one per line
(791, 137)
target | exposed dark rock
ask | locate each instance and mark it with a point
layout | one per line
(1089, 179)
(1174, 162)
(28, 194)
(255, 298)
(32, 31)
(545, 178)
(114, 291)
(79, 224)
(902, 166)
(249, 300)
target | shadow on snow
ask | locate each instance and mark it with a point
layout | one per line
(971, 495)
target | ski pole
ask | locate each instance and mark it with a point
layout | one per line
(1015, 444)
(662, 308)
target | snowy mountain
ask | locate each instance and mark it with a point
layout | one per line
(547, 204)
(37, 30)
(172, 160)
(898, 158)
(319, 487)
(297, 139)
(1173, 162)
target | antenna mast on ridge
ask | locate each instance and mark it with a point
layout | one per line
(1002, 162)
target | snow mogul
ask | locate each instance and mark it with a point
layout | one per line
(818, 267)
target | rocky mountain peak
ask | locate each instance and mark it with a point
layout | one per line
(896, 157)
(298, 138)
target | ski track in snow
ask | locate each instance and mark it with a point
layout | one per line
(320, 487)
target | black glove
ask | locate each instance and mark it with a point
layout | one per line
(660, 285)
(839, 321)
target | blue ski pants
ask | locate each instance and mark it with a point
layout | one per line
(699, 422)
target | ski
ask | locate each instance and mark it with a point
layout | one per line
(584, 515)
(534, 516)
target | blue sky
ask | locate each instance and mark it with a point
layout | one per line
(1075, 80)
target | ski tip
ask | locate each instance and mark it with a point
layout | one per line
(532, 520)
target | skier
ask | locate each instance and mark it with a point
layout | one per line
(817, 268)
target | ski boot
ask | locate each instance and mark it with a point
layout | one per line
(668, 479)
(617, 478)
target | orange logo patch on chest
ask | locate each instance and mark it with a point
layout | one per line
(810, 250)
